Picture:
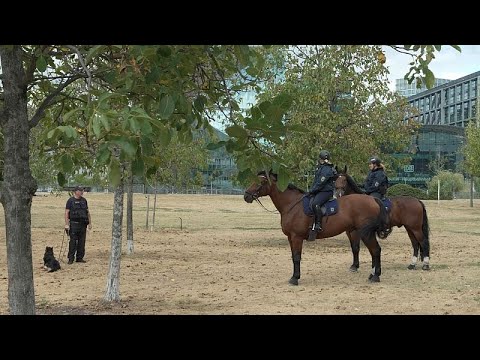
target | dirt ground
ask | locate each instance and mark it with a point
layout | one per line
(219, 255)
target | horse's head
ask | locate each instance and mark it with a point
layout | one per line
(340, 185)
(259, 188)
(341, 182)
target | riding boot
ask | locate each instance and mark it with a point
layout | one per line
(317, 223)
(318, 218)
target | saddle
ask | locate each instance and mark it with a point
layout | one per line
(329, 208)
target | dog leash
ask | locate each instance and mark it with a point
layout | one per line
(60, 258)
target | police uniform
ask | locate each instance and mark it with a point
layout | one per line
(376, 183)
(79, 220)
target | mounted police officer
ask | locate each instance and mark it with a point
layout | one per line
(77, 218)
(376, 183)
(322, 188)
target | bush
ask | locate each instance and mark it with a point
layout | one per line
(449, 183)
(406, 190)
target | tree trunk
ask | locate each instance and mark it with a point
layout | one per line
(18, 186)
(113, 281)
(130, 214)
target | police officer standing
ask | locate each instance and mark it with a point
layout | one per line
(77, 218)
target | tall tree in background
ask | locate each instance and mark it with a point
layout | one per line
(342, 98)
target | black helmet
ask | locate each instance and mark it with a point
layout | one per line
(324, 154)
(375, 160)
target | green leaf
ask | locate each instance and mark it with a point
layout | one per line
(164, 137)
(438, 47)
(96, 126)
(105, 96)
(105, 122)
(282, 179)
(236, 131)
(114, 176)
(71, 112)
(94, 51)
(283, 101)
(256, 113)
(61, 179)
(166, 107)
(456, 47)
(138, 167)
(264, 106)
(200, 102)
(103, 154)
(66, 163)
(429, 78)
(41, 64)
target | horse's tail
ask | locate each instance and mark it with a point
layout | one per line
(384, 229)
(425, 230)
(379, 225)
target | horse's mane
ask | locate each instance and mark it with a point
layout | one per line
(353, 184)
(274, 176)
(294, 187)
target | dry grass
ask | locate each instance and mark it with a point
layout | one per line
(231, 257)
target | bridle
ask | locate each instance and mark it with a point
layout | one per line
(339, 192)
(255, 195)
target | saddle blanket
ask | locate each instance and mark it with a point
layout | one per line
(329, 208)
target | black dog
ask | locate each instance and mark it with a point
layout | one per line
(49, 262)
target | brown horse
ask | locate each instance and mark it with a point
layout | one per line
(405, 211)
(360, 215)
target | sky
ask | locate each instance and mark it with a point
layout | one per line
(448, 63)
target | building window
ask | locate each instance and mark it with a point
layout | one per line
(473, 89)
(458, 93)
(465, 110)
(451, 114)
(465, 91)
(446, 96)
(474, 109)
(459, 112)
(427, 118)
(439, 118)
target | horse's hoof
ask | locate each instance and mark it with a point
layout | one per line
(370, 276)
(293, 281)
(374, 278)
(426, 267)
(411, 267)
(353, 268)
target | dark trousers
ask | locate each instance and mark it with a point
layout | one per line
(321, 198)
(78, 234)
(377, 195)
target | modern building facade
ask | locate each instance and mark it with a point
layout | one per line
(444, 112)
(402, 87)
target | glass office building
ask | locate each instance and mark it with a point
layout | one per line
(402, 87)
(444, 112)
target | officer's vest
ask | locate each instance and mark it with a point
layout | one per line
(79, 211)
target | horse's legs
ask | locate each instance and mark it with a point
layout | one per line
(375, 250)
(416, 237)
(296, 243)
(416, 247)
(354, 238)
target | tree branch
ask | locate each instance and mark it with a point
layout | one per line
(48, 101)
(87, 71)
